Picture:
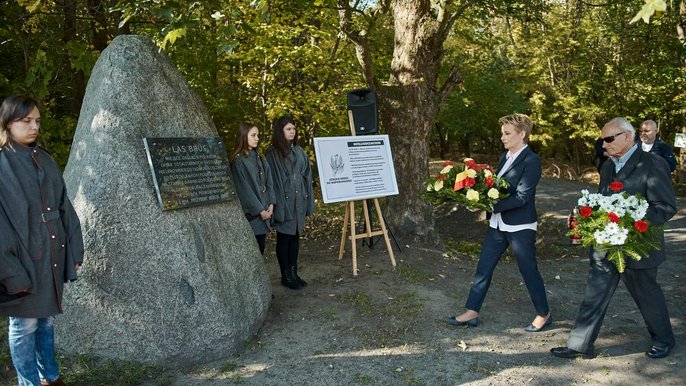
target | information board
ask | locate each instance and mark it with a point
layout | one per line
(680, 140)
(189, 171)
(355, 167)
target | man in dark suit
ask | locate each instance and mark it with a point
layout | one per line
(650, 142)
(648, 175)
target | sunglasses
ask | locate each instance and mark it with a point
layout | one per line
(611, 138)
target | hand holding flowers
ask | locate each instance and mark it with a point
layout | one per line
(476, 186)
(616, 225)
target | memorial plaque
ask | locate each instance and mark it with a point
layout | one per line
(189, 171)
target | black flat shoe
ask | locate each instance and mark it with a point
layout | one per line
(471, 322)
(532, 328)
(657, 352)
(568, 353)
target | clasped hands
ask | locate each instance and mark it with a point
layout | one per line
(267, 214)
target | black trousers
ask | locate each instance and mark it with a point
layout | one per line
(643, 287)
(287, 248)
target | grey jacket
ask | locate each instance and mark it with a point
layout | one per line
(41, 233)
(252, 178)
(292, 188)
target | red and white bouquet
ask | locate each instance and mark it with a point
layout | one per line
(474, 185)
(615, 225)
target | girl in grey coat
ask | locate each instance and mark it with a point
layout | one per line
(253, 180)
(294, 200)
(41, 246)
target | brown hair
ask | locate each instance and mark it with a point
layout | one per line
(521, 122)
(279, 142)
(13, 108)
(242, 148)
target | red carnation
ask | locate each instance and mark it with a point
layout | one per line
(469, 182)
(470, 163)
(616, 186)
(641, 226)
(586, 211)
(613, 217)
(440, 176)
(448, 163)
(490, 182)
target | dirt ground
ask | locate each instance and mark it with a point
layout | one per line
(386, 326)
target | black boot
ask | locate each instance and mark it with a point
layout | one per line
(288, 280)
(302, 282)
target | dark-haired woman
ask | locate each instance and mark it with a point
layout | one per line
(253, 180)
(294, 200)
(41, 246)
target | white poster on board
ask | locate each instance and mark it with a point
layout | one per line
(680, 140)
(355, 167)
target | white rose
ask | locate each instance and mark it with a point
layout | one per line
(472, 195)
(493, 193)
(438, 185)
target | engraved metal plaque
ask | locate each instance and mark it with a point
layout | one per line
(189, 171)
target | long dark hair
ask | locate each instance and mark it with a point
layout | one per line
(279, 142)
(13, 108)
(242, 148)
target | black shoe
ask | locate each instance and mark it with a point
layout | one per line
(568, 353)
(290, 283)
(532, 328)
(471, 322)
(657, 352)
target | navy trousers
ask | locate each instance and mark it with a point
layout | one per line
(524, 247)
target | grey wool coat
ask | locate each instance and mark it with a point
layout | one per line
(41, 234)
(293, 189)
(252, 178)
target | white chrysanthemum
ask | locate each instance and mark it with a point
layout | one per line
(619, 211)
(583, 201)
(620, 237)
(611, 228)
(447, 169)
(632, 201)
(493, 193)
(585, 192)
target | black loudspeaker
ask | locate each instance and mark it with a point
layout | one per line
(362, 103)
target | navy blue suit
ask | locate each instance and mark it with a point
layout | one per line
(517, 209)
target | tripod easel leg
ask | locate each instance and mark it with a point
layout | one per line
(344, 232)
(382, 222)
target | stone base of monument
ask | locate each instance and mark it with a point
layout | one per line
(171, 287)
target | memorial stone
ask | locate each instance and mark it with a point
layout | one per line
(168, 287)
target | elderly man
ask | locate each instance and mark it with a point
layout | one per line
(648, 175)
(650, 142)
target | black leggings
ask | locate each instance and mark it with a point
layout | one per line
(261, 239)
(287, 247)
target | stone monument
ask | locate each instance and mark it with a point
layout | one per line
(174, 287)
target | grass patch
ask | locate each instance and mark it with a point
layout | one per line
(87, 370)
(364, 379)
(466, 247)
(359, 300)
(412, 275)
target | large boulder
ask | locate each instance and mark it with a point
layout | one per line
(176, 287)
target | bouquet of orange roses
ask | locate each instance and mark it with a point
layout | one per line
(474, 185)
(615, 225)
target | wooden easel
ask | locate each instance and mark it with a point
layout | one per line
(350, 216)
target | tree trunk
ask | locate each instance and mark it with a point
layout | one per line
(408, 113)
(409, 101)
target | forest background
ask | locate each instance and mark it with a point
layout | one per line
(444, 70)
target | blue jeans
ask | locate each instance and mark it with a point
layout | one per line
(32, 346)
